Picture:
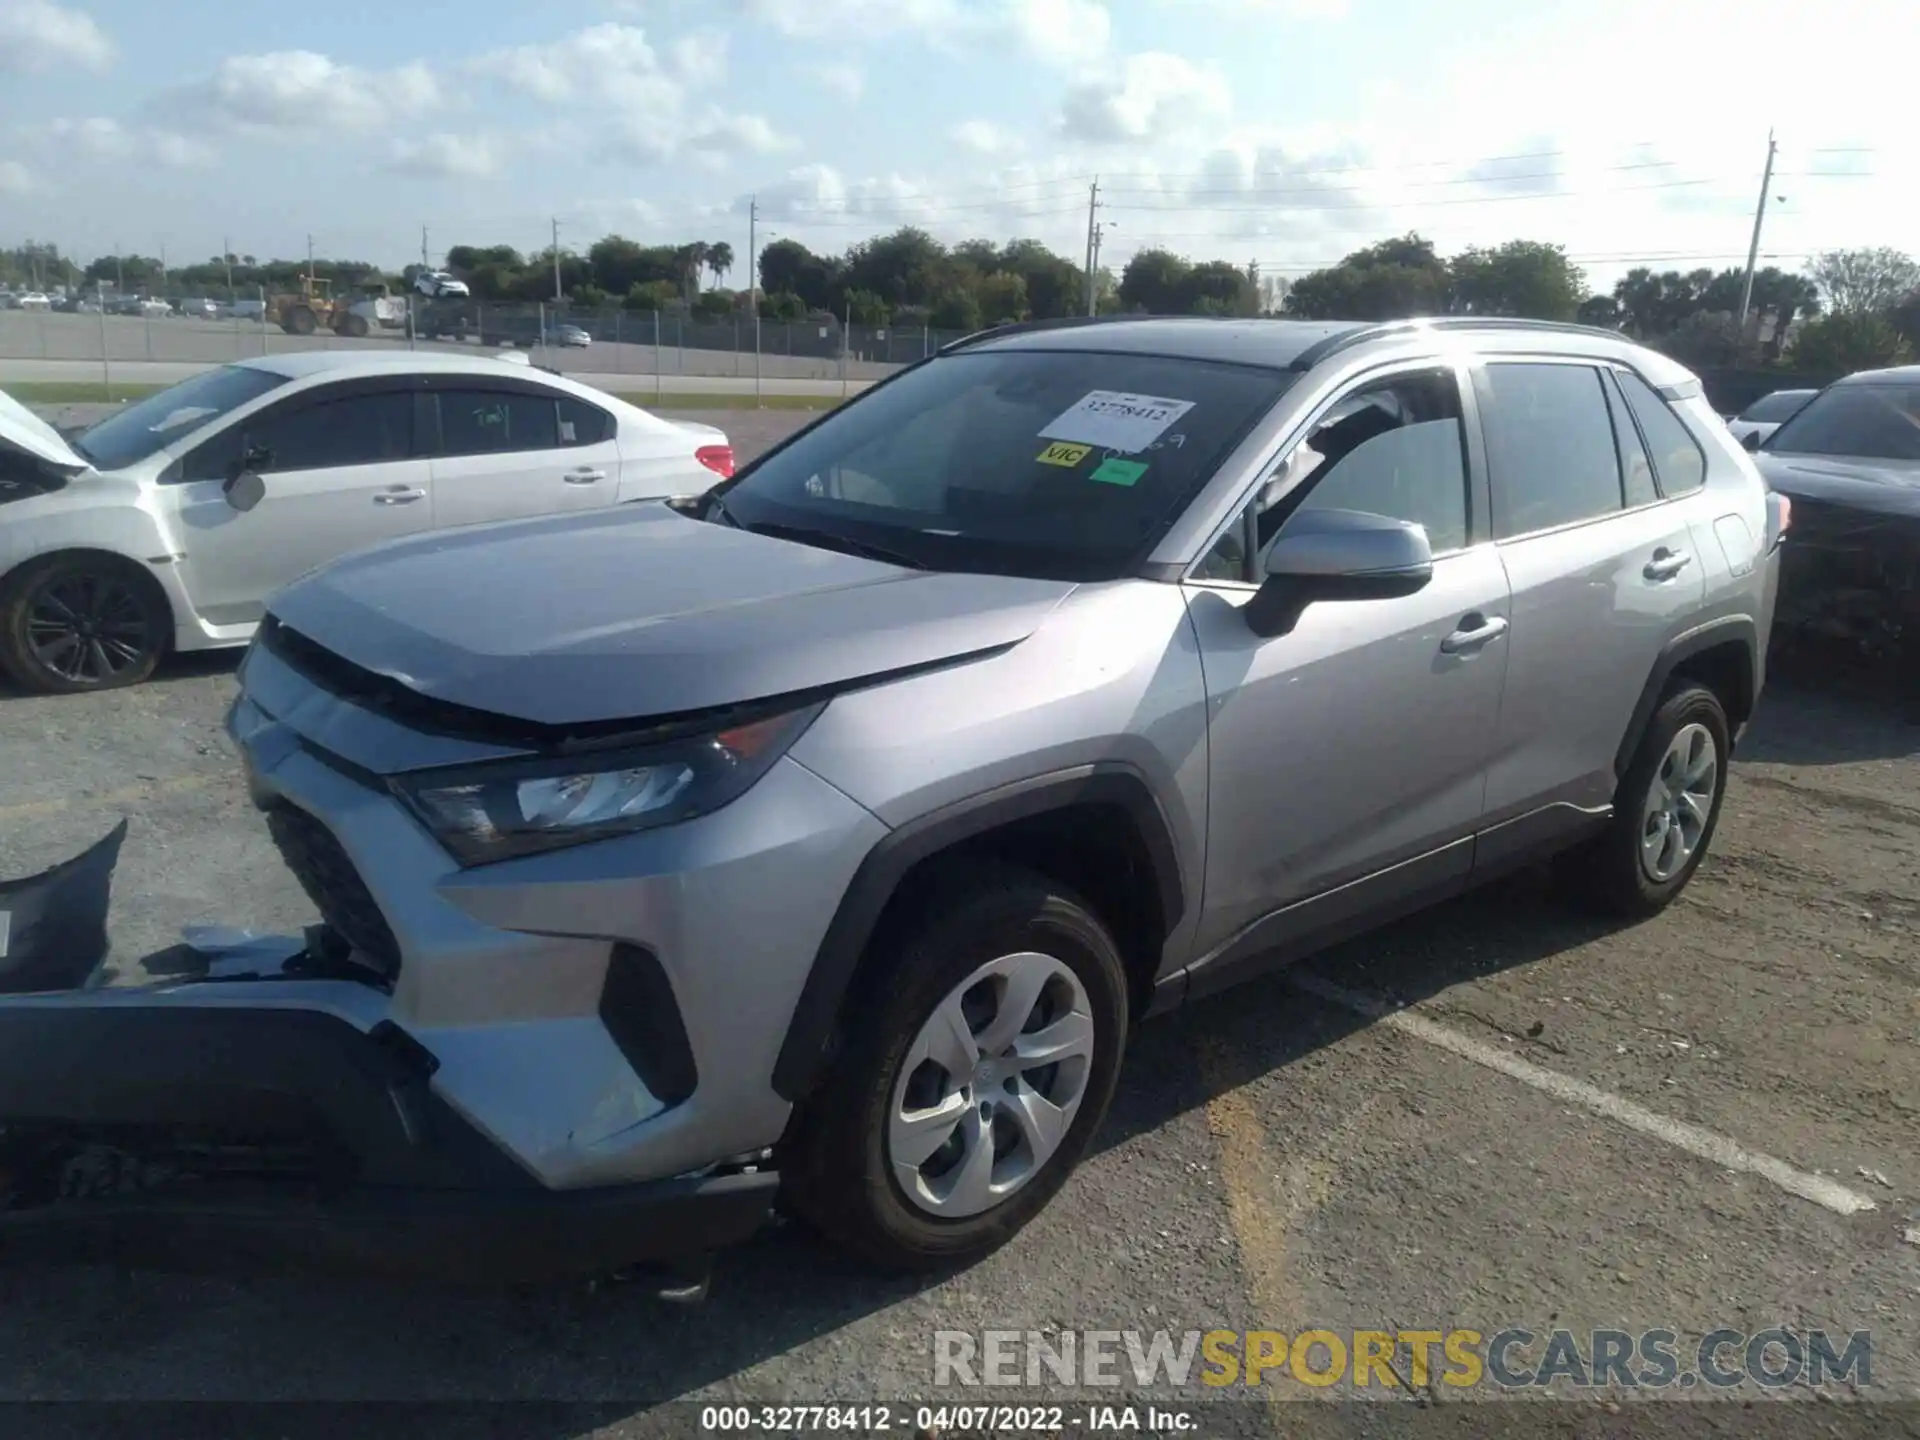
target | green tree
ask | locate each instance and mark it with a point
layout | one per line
(652, 295)
(1849, 340)
(713, 304)
(1002, 297)
(1522, 277)
(719, 260)
(864, 307)
(1157, 282)
(1864, 282)
(956, 310)
(782, 305)
(1399, 277)
(1599, 310)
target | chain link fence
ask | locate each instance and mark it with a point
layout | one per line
(594, 342)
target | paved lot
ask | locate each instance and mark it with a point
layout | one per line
(1274, 1160)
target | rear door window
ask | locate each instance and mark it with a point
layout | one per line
(1678, 460)
(1551, 454)
(1636, 470)
(497, 422)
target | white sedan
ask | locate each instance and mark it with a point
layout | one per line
(167, 525)
(34, 300)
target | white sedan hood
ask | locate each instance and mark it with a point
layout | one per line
(22, 430)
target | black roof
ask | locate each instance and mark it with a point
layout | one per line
(1272, 343)
(1276, 344)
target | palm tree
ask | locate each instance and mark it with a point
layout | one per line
(719, 260)
(693, 260)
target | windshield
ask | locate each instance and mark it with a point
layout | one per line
(1777, 407)
(1060, 464)
(1871, 422)
(143, 427)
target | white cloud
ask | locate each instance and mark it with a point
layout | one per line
(444, 156)
(1267, 9)
(643, 103)
(983, 137)
(301, 90)
(738, 134)
(1065, 32)
(846, 81)
(1157, 95)
(102, 138)
(37, 35)
(15, 178)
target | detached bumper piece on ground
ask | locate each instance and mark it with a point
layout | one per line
(222, 1115)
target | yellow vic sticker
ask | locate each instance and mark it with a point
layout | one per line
(1061, 453)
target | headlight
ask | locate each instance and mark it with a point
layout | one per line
(497, 811)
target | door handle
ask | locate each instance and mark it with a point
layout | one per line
(1471, 636)
(584, 477)
(399, 495)
(1666, 564)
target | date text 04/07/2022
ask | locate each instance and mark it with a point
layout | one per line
(934, 1419)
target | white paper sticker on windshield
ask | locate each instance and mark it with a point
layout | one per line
(1115, 420)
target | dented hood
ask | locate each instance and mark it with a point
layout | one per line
(22, 430)
(639, 611)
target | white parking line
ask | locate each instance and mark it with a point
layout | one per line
(1677, 1133)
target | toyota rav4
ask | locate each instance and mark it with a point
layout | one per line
(829, 831)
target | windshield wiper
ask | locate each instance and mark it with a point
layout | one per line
(826, 540)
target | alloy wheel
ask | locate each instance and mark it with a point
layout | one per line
(88, 628)
(1679, 803)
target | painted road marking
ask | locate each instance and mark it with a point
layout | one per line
(1678, 1133)
(128, 795)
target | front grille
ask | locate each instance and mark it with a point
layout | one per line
(328, 875)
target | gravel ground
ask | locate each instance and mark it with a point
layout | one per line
(1273, 1161)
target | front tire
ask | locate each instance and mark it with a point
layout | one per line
(80, 622)
(1665, 810)
(970, 1076)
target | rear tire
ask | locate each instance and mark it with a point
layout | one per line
(1665, 811)
(79, 621)
(1014, 957)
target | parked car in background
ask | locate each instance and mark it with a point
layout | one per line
(166, 525)
(1768, 414)
(829, 830)
(573, 336)
(197, 309)
(35, 300)
(1849, 461)
(248, 310)
(153, 308)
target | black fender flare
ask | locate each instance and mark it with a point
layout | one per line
(810, 1028)
(1739, 629)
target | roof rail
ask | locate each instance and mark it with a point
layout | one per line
(1024, 327)
(1334, 344)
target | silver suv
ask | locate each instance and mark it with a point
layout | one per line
(831, 829)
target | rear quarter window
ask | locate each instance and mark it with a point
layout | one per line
(1679, 464)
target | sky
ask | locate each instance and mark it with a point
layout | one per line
(1283, 132)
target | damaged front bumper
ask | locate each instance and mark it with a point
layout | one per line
(241, 1108)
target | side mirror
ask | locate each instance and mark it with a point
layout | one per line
(1337, 555)
(245, 490)
(1751, 440)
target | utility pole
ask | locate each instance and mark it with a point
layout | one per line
(425, 264)
(226, 256)
(753, 287)
(310, 274)
(1093, 243)
(1753, 248)
(558, 296)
